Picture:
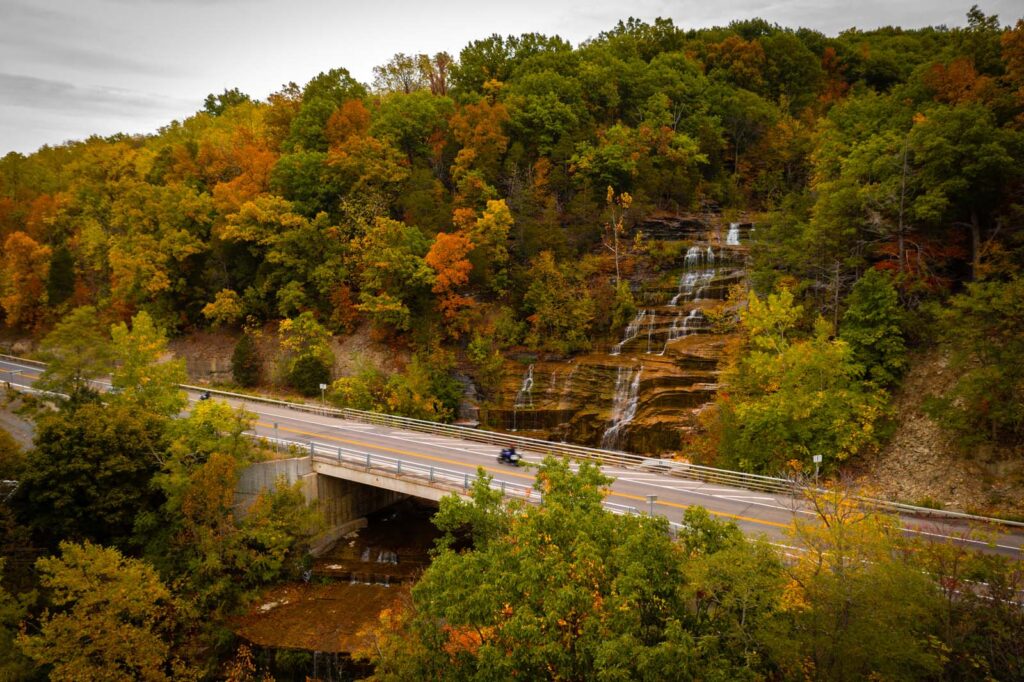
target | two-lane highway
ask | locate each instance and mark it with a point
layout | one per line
(753, 511)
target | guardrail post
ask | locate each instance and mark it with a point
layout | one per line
(465, 483)
(431, 474)
(367, 461)
(398, 469)
(311, 450)
(339, 454)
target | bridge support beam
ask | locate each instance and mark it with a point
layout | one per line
(345, 504)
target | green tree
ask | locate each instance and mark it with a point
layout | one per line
(216, 105)
(984, 329)
(141, 374)
(560, 310)
(415, 123)
(216, 553)
(792, 71)
(307, 373)
(735, 588)
(322, 95)
(855, 606)
(965, 161)
(392, 271)
(245, 362)
(14, 608)
(77, 352)
(111, 618)
(60, 283)
(308, 181)
(88, 475)
(789, 399)
(872, 328)
(307, 359)
(563, 590)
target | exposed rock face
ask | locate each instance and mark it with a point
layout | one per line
(641, 393)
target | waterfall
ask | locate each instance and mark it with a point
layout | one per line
(624, 405)
(632, 330)
(524, 398)
(698, 272)
(567, 386)
(684, 328)
(733, 238)
(650, 330)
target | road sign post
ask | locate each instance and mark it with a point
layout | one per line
(651, 499)
(323, 401)
(817, 463)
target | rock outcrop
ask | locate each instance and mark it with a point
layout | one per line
(641, 393)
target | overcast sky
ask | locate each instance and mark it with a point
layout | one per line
(71, 68)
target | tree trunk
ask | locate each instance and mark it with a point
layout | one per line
(835, 305)
(975, 246)
(903, 199)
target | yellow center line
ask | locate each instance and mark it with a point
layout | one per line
(408, 453)
(443, 460)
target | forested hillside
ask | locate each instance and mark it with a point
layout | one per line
(528, 202)
(470, 207)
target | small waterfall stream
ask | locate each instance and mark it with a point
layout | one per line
(698, 272)
(624, 405)
(733, 237)
(632, 331)
(524, 398)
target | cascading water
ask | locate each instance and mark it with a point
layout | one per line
(686, 326)
(670, 334)
(524, 398)
(632, 330)
(650, 330)
(698, 272)
(567, 386)
(733, 237)
(624, 405)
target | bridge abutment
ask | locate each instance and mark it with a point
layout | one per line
(344, 504)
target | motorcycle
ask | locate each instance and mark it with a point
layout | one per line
(509, 456)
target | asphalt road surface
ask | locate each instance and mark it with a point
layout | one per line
(756, 513)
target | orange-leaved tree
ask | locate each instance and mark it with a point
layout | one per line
(447, 256)
(25, 267)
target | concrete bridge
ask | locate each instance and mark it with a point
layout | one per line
(355, 462)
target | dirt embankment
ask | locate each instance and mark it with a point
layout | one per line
(923, 463)
(207, 354)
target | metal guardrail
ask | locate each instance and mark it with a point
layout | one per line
(456, 481)
(698, 472)
(449, 479)
(756, 482)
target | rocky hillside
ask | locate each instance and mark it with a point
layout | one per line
(923, 464)
(641, 391)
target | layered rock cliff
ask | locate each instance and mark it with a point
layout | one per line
(642, 392)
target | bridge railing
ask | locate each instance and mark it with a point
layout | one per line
(756, 482)
(456, 481)
(435, 476)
